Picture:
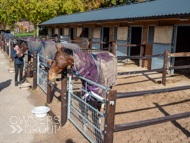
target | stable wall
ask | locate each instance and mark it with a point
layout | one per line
(123, 50)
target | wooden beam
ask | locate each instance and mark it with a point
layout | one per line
(181, 54)
(34, 70)
(130, 45)
(64, 97)
(49, 97)
(147, 92)
(180, 67)
(110, 115)
(165, 67)
(139, 124)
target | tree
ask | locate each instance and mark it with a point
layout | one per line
(37, 11)
(8, 14)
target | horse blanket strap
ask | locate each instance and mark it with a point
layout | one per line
(97, 64)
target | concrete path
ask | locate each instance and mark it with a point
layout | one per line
(18, 124)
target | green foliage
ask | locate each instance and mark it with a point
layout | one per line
(24, 34)
(37, 11)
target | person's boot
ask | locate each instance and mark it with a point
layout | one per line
(21, 81)
(16, 83)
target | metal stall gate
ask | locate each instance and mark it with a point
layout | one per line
(82, 113)
(42, 72)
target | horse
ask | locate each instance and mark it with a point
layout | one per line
(93, 67)
(45, 48)
(100, 68)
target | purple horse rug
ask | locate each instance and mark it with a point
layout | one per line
(100, 68)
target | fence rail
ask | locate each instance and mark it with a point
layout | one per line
(78, 111)
(147, 92)
(144, 123)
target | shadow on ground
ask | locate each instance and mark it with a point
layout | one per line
(5, 84)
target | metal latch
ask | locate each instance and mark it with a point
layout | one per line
(111, 103)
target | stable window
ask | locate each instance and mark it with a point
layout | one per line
(96, 31)
(151, 34)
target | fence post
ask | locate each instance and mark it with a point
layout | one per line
(1, 42)
(47, 37)
(55, 39)
(12, 48)
(90, 46)
(110, 115)
(113, 50)
(7, 47)
(69, 40)
(49, 98)
(34, 70)
(86, 45)
(143, 47)
(165, 67)
(28, 68)
(64, 97)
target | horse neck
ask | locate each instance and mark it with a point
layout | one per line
(80, 59)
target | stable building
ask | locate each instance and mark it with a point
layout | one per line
(159, 25)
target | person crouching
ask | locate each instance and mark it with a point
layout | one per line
(18, 63)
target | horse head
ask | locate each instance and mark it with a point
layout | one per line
(22, 45)
(63, 58)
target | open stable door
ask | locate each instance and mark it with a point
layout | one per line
(162, 42)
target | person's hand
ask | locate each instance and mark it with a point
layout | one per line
(17, 52)
(21, 55)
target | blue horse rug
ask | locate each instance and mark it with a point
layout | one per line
(47, 48)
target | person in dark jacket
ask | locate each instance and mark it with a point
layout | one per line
(18, 63)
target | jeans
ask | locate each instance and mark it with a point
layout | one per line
(17, 67)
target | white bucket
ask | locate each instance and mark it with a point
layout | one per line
(40, 111)
(25, 86)
(11, 70)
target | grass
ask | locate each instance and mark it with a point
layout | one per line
(24, 34)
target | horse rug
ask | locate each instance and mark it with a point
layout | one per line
(100, 68)
(47, 48)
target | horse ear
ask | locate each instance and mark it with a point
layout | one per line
(50, 62)
(62, 46)
(58, 49)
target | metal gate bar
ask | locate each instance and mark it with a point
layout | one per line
(83, 114)
(41, 73)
